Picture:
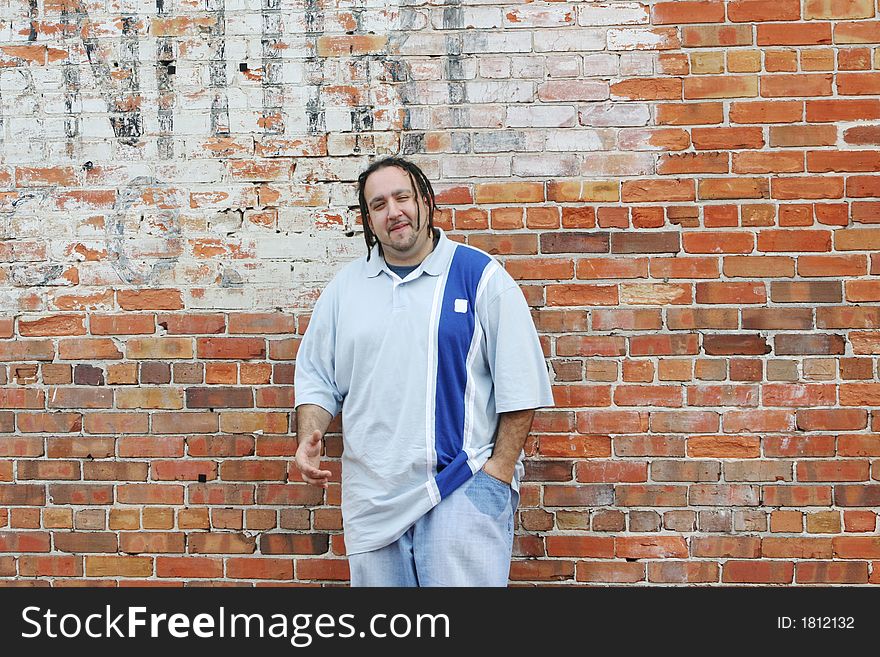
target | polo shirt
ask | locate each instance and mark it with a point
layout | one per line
(421, 368)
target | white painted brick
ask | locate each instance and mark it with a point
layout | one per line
(500, 92)
(201, 171)
(614, 114)
(640, 39)
(320, 169)
(118, 174)
(389, 19)
(613, 13)
(495, 67)
(426, 69)
(476, 166)
(95, 151)
(579, 140)
(340, 195)
(414, 43)
(569, 40)
(545, 165)
(96, 127)
(101, 274)
(453, 18)
(493, 42)
(564, 66)
(617, 164)
(539, 16)
(12, 300)
(47, 79)
(192, 123)
(636, 63)
(499, 141)
(15, 80)
(185, 273)
(537, 116)
(294, 220)
(343, 250)
(527, 67)
(226, 298)
(601, 64)
(292, 247)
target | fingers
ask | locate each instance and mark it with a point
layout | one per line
(322, 482)
(310, 450)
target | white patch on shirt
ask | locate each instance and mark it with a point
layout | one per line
(461, 305)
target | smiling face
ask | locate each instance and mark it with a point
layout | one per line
(398, 216)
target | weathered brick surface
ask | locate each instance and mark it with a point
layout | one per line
(687, 193)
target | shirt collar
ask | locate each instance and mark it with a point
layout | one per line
(433, 265)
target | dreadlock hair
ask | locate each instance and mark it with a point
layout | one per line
(420, 184)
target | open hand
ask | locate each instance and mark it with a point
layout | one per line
(308, 460)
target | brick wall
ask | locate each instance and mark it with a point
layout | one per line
(687, 191)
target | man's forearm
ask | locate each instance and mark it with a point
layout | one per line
(513, 430)
(311, 418)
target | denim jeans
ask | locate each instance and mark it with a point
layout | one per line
(466, 540)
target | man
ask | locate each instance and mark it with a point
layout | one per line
(428, 349)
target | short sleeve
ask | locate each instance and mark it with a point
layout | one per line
(314, 379)
(516, 360)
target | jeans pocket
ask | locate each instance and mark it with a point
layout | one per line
(489, 495)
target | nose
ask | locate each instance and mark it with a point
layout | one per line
(394, 210)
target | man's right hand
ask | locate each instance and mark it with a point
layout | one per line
(308, 459)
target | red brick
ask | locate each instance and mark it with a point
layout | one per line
(325, 569)
(716, 35)
(752, 11)
(158, 299)
(193, 324)
(727, 138)
(189, 567)
(612, 472)
(740, 547)
(758, 572)
(796, 547)
(680, 572)
(613, 572)
(650, 495)
(52, 325)
(831, 572)
(841, 419)
(767, 111)
(689, 113)
(792, 495)
(731, 293)
(856, 547)
(647, 89)
(804, 34)
(815, 187)
(665, 13)
(857, 495)
(122, 324)
(580, 546)
(651, 547)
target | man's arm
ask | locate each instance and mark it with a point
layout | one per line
(513, 430)
(311, 424)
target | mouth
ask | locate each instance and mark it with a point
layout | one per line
(399, 227)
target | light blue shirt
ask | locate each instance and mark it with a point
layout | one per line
(420, 367)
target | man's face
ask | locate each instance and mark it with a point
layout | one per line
(395, 210)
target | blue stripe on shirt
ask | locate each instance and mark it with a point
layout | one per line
(454, 335)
